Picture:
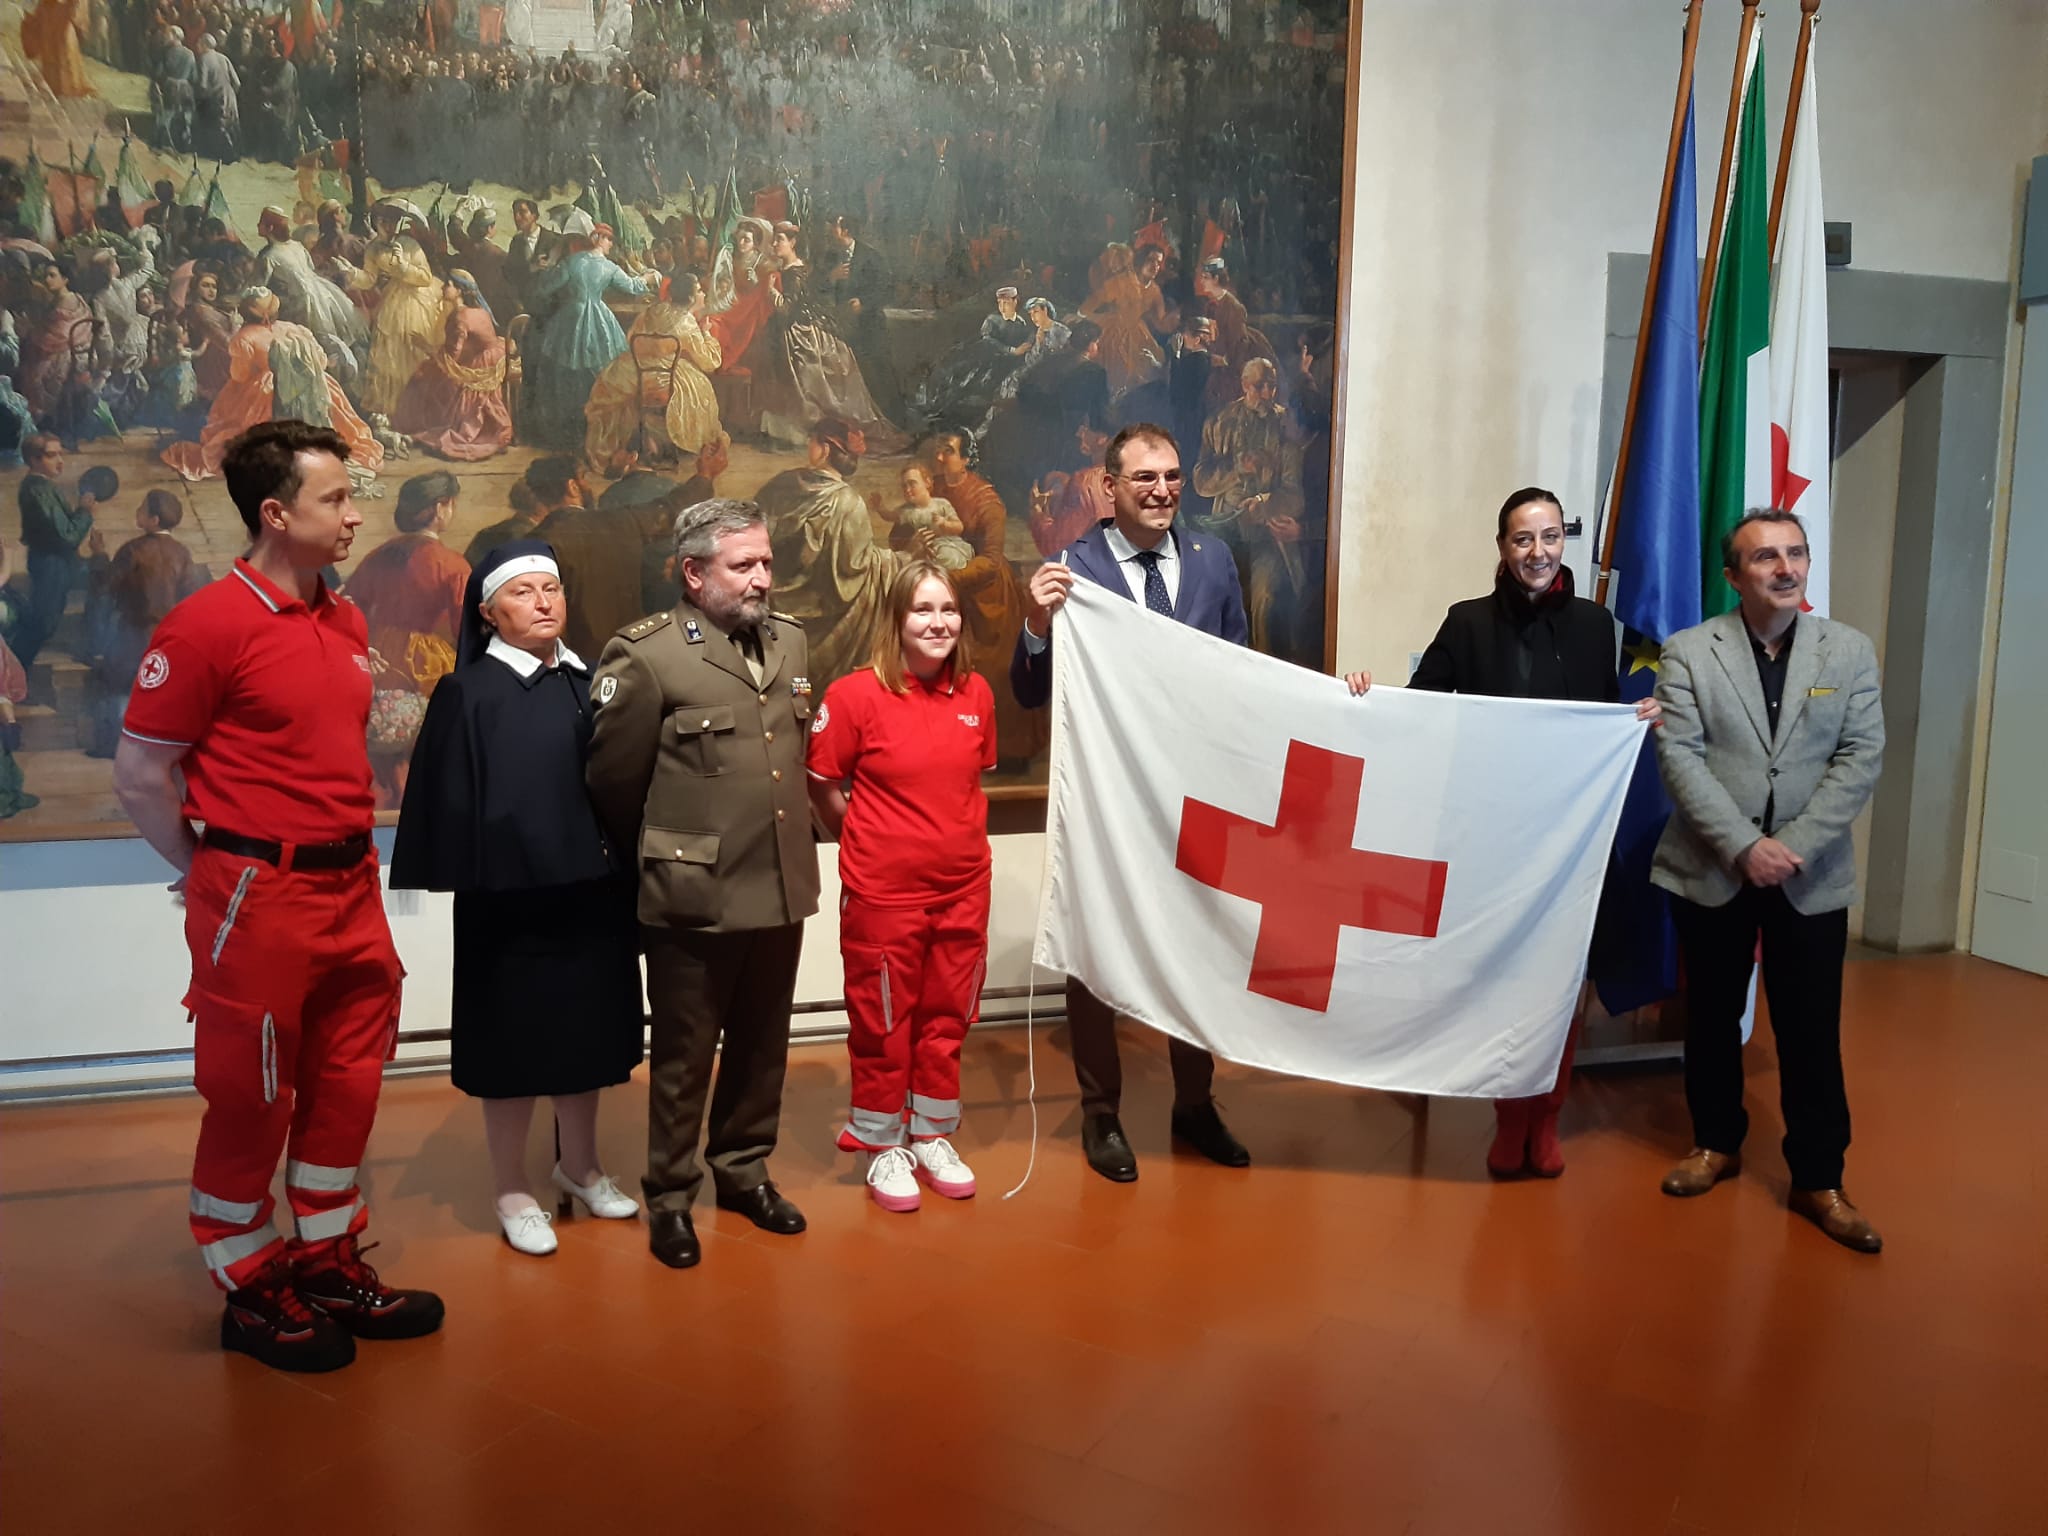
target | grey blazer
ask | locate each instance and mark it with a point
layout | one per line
(1720, 764)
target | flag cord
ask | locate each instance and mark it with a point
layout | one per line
(1031, 1051)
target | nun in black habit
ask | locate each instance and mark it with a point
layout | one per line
(547, 973)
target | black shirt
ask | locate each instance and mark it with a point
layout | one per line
(1770, 672)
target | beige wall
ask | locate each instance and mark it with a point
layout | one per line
(1506, 147)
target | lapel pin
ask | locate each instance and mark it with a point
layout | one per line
(693, 632)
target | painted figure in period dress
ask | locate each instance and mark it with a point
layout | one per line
(454, 407)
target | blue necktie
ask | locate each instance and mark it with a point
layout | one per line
(1155, 584)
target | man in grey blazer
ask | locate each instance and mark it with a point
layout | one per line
(1772, 743)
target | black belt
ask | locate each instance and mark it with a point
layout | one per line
(342, 855)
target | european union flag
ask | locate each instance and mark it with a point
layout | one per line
(1657, 593)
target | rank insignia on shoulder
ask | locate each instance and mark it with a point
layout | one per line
(642, 628)
(786, 618)
(693, 632)
(799, 687)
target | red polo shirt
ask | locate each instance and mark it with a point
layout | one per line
(273, 698)
(917, 824)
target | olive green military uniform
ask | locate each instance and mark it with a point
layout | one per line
(699, 765)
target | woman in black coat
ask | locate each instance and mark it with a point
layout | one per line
(1529, 638)
(547, 971)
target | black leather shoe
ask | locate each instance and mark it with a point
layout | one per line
(672, 1238)
(1204, 1130)
(765, 1206)
(1108, 1153)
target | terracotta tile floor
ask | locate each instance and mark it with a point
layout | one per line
(1359, 1335)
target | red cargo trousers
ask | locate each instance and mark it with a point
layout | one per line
(294, 1001)
(913, 985)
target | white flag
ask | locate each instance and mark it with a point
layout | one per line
(1394, 891)
(1800, 450)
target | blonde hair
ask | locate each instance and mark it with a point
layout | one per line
(887, 661)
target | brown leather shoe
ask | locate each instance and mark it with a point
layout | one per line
(1700, 1170)
(1830, 1210)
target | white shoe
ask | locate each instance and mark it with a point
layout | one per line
(892, 1180)
(530, 1230)
(939, 1166)
(604, 1198)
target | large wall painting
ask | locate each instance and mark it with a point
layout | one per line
(897, 270)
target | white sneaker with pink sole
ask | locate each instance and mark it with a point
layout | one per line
(892, 1180)
(939, 1166)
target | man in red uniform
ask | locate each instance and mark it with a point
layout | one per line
(257, 688)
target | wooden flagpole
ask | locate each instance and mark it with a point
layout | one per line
(1693, 11)
(1808, 16)
(1736, 91)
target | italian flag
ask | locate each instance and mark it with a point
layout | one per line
(1735, 376)
(1800, 450)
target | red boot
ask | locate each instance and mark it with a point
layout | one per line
(1546, 1157)
(1510, 1149)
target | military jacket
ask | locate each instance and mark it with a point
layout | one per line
(701, 770)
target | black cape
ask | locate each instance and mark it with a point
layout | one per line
(495, 800)
(494, 797)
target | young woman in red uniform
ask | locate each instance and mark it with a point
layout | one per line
(896, 758)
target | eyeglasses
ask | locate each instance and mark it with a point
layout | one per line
(1150, 479)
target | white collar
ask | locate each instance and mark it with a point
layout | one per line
(1125, 551)
(525, 663)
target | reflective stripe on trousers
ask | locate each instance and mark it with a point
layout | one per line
(933, 1117)
(875, 1128)
(235, 1213)
(232, 1250)
(227, 923)
(313, 1176)
(319, 1226)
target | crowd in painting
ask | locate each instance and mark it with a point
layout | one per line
(955, 247)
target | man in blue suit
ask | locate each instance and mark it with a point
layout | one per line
(1139, 554)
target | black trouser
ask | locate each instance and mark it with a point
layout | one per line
(1803, 980)
(1091, 1025)
(701, 987)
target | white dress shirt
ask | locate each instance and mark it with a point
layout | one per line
(1126, 554)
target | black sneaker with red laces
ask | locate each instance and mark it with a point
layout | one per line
(268, 1320)
(341, 1285)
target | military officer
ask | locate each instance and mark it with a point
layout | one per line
(697, 762)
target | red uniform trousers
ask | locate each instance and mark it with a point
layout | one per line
(913, 985)
(294, 1000)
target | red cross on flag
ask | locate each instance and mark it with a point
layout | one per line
(1395, 892)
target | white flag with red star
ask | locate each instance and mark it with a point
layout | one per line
(1395, 891)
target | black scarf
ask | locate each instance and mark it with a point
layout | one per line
(1529, 637)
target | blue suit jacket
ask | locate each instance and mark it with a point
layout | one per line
(1209, 600)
